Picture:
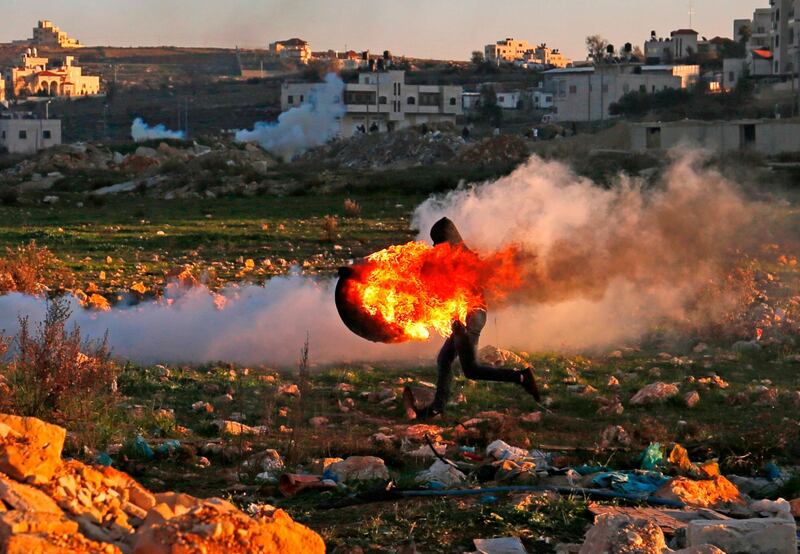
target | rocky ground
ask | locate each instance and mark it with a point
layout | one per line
(52, 506)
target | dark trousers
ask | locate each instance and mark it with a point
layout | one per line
(468, 354)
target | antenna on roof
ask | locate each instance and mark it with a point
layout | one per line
(691, 13)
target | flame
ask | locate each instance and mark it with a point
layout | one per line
(415, 288)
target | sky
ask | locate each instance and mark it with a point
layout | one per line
(443, 29)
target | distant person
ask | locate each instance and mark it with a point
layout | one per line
(535, 132)
(373, 128)
(465, 133)
(424, 129)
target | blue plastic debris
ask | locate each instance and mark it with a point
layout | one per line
(142, 449)
(652, 457)
(168, 447)
(103, 459)
(631, 482)
(488, 499)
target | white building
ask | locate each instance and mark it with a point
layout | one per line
(681, 45)
(470, 100)
(28, 136)
(776, 30)
(382, 101)
(766, 136)
(586, 93)
(542, 100)
(509, 100)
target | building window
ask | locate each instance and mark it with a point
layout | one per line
(382, 100)
(46, 134)
(501, 99)
(411, 100)
(23, 135)
(573, 89)
(731, 76)
(452, 101)
(359, 97)
(430, 99)
(302, 99)
(290, 99)
(4, 135)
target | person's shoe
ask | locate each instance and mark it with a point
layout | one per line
(409, 404)
(528, 382)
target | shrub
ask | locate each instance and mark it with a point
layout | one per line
(56, 376)
(329, 226)
(351, 208)
(31, 269)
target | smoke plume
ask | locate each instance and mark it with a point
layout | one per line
(141, 131)
(257, 325)
(311, 124)
(602, 266)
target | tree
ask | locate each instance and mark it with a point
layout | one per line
(489, 108)
(477, 57)
(596, 47)
(745, 32)
(637, 54)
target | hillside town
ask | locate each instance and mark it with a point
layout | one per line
(335, 289)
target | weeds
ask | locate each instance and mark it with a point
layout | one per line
(56, 376)
(351, 208)
(32, 269)
(329, 226)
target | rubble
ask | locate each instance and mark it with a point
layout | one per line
(30, 449)
(707, 493)
(77, 508)
(767, 535)
(357, 468)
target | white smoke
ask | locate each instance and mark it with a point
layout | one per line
(141, 131)
(610, 264)
(311, 124)
(258, 325)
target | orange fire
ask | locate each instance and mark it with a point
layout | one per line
(414, 288)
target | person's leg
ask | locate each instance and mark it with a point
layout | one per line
(444, 378)
(466, 340)
(444, 381)
(466, 343)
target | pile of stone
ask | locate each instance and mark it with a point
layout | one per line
(55, 506)
(406, 148)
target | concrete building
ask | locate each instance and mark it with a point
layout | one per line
(33, 77)
(586, 93)
(48, 35)
(382, 101)
(293, 49)
(765, 136)
(509, 100)
(27, 136)
(525, 54)
(506, 50)
(470, 100)
(776, 30)
(681, 45)
(542, 100)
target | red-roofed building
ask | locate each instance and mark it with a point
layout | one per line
(33, 77)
